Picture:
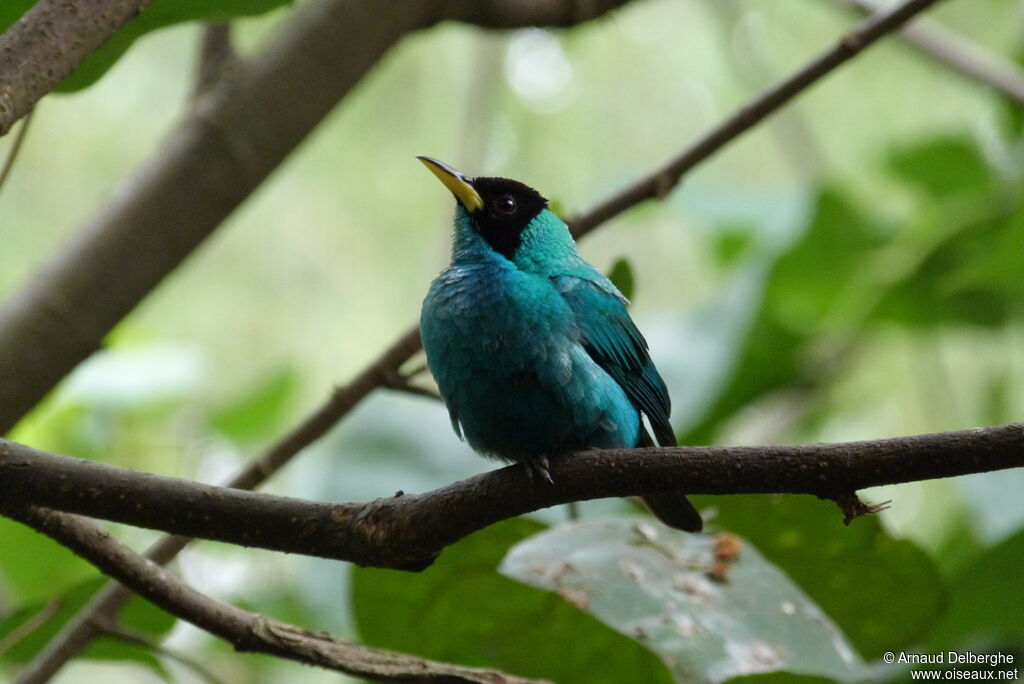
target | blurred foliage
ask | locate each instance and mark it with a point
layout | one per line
(781, 303)
(26, 631)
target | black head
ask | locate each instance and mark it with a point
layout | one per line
(501, 209)
(508, 207)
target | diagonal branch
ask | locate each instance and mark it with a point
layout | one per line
(48, 43)
(246, 631)
(659, 183)
(408, 531)
(958, 53)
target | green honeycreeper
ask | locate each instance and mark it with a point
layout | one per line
(532, 348)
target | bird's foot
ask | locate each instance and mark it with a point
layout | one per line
(538, 468)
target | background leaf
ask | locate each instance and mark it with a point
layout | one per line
(138, 616)
(835, 564)
(652, 583)
(461, 610)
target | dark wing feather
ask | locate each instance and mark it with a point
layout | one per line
(613, 341)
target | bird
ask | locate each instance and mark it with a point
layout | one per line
(532, 348)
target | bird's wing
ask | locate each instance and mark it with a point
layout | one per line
(613, 341)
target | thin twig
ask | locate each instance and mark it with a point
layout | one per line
(216, 58)
(958, 53)
(399, 382)
(122, 633)
(28, 627)
(15, 148)
(658, 184)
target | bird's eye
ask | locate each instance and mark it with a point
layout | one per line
(505, 205)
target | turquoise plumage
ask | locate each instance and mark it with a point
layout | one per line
(532, 348)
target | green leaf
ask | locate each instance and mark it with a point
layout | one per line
(800, 290)
(972, 277)
(652, 583)
(942, 166)
(807, 280)
(621, 276)
(461, 610)
(732, 243)
(158, 14)
(858, 574)
(987, 604)
(260, 410)
(34, 566)
(31, 627)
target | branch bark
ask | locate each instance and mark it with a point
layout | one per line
(246, 631)
(48, 43)
(228, 144)
(407, 531)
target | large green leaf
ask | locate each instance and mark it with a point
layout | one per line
(652, 583)
(799, 291)
(462, 610)
(942, 166)
(972, 276)
(34, 566)
(858, 574)
(31, 627)
(260, 410)
(808, 279)
(158, 14)
(987, 602)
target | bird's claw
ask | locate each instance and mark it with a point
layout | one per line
(538, 467)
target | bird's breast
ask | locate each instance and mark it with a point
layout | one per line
(503, 347)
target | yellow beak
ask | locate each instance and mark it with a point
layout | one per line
(457, 182)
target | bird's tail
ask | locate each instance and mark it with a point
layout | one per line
(675, 510)
(671, 508)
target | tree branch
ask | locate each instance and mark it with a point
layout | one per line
(48, 43)
(114, 630)
(958, 53)
(408, 531)
(12, 153)
(659, 183)
(112, 597)
(246, 631)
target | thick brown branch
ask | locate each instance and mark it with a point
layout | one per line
(246, 631)
(659, 183)
(408, 531)
(48, 43)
